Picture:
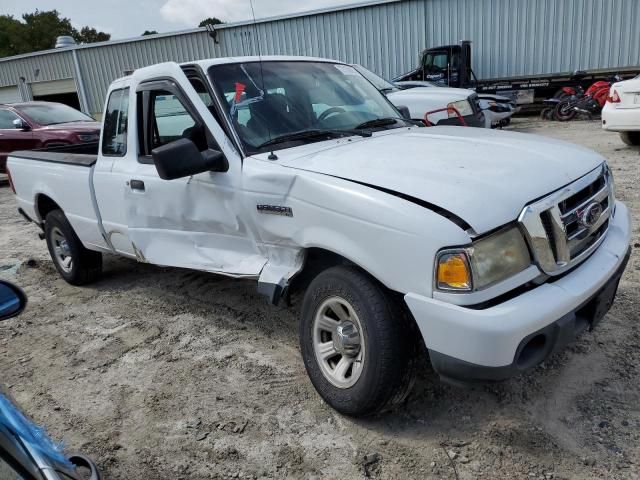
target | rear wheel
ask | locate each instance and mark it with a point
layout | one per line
(630, 138)
(76, 264)
(565, 112)
(357, 342)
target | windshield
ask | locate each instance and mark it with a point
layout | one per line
(297, 96)
(378, 82)
(52, 113)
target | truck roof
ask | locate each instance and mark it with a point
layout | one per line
(206, 63)
(264, 58)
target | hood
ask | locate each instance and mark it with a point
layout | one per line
(494, 98)
(441, 93)
(484, 177)
(74, 126)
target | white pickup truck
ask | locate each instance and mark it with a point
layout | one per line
(494, 248)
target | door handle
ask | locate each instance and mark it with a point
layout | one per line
(137, 185)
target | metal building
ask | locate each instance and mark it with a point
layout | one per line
(510, 37)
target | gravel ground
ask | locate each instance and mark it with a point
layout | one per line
(162, 373)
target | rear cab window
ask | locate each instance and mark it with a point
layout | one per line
(116, 119)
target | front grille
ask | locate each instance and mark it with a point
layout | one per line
(565, 227)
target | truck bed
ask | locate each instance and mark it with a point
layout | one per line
(62, 175)
(82, 155)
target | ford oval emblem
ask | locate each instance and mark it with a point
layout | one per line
(590, 215)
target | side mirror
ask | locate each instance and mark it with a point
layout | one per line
(20, 124)
(182, 158)
(404, 111)
(12, 300)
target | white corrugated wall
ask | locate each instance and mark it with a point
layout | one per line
(510, 37)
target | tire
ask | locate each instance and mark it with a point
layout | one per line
(547, 113)
(564, 112)
(631, 138)
(76, 264)
(382, 369)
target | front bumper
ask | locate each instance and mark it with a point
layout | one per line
(470, 345)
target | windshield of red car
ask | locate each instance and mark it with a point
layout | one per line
(50, 114)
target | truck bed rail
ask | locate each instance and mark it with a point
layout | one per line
(82, 155)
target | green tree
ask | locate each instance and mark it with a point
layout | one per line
(10, 36)
(39, 30)
(149, 32)
(42, 28)
(210, 21)
(90, 35)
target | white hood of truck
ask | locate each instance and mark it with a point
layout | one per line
(484, 177)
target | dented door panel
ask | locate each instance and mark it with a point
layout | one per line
(191, 223)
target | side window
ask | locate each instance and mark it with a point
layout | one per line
(6, 119)
(114, 137)
(170, 121)
(436, 61)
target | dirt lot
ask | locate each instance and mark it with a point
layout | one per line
(164, 373)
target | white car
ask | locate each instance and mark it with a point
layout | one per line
(621, 113)
(422, 100)
(497, 109)
(494, 249)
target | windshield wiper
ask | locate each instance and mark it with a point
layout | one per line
(313, 133)
(379, 122)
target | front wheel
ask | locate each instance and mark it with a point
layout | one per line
(76, 264)
(630, 138)
(357, 342)
(547, 113)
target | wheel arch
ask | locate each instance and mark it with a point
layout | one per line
(316, 260)
(44, 205)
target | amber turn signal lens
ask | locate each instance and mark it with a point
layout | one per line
(454, 272)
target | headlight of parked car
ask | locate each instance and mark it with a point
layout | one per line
(485, 262)
(609, 174)
(463, 106)
(89, 137)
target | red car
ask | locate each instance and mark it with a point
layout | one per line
(31, 125)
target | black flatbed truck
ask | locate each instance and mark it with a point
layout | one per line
(450, 66)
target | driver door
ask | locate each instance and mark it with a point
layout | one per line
(190, 222)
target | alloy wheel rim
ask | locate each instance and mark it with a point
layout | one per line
(338, 342)
(61, 250)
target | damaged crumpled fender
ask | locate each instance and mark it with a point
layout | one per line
(295, 210)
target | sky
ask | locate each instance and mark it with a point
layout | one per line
(129, 18)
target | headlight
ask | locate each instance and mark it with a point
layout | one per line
(609, 175)
(463, 106)
(89, 137)
(486, 262)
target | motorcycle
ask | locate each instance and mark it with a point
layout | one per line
(589, 102)
(550, 104)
